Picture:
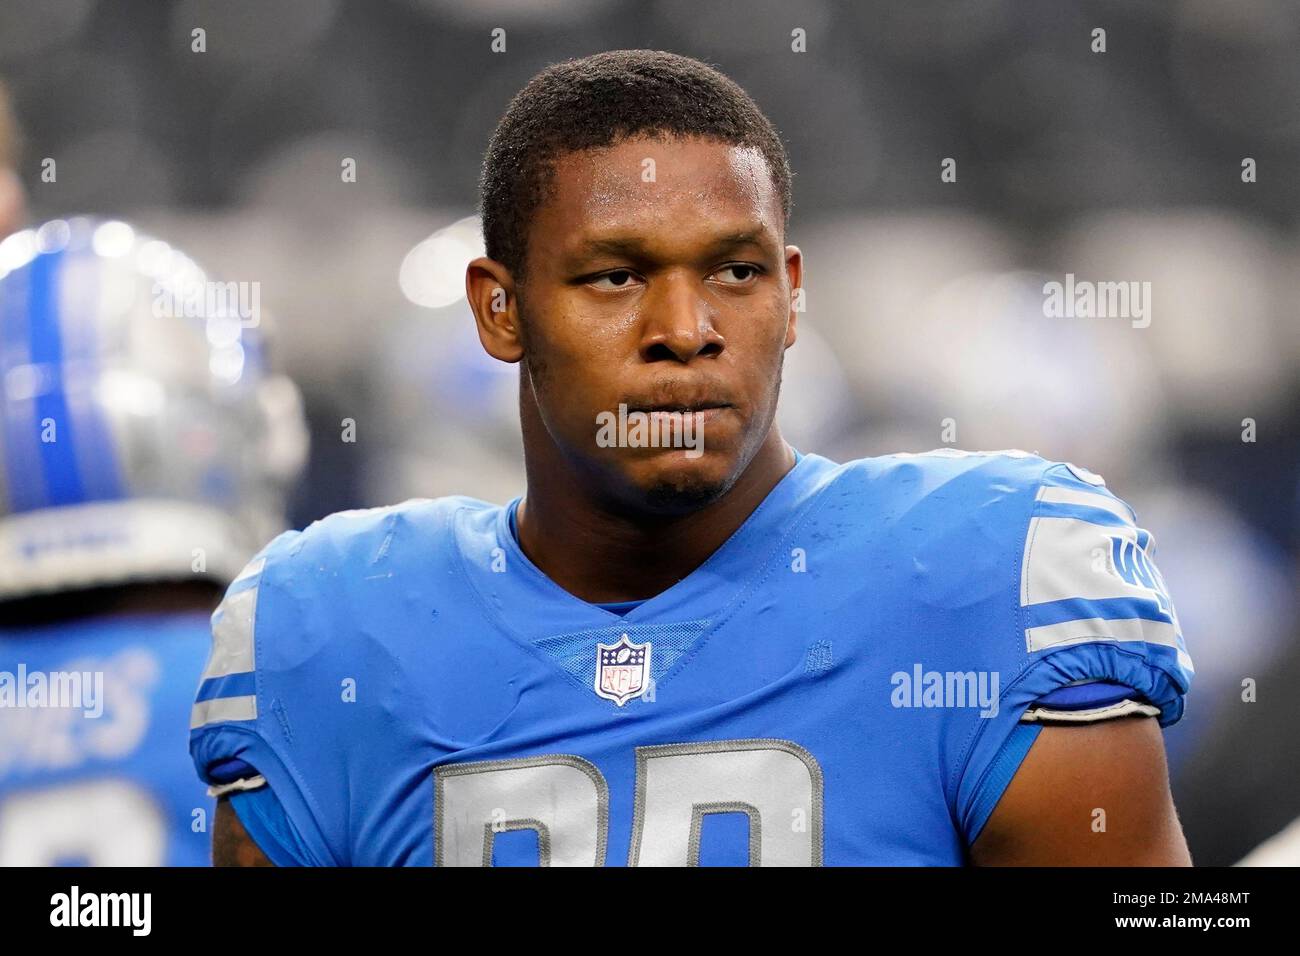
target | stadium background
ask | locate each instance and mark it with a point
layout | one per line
(925, 299)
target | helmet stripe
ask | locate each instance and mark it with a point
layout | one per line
(26, 490)
(81, 311)
(58, 457)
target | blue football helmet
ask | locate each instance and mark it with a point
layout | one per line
(143, 436)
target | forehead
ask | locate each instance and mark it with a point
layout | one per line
(669, 191)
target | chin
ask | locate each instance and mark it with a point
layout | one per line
(675, 484)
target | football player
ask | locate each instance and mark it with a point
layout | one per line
(145, 450)
(675, 651)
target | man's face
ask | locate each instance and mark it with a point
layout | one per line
(657, 280)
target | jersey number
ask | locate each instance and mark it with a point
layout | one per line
(565, 800)
(99, 823)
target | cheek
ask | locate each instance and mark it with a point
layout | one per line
(576, 334)
(760, 351)
(576, 359)
(760, 337)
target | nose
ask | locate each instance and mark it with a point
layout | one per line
(678, 323)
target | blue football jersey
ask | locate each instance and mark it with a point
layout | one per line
(93, 763)
(841, 683)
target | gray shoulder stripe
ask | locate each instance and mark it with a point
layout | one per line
(221, 709)
(232, 635)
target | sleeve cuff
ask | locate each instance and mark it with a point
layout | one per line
(237, 786)
(1124, 708)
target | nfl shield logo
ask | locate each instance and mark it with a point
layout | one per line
(622, 670)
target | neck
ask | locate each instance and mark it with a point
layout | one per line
(603, 554)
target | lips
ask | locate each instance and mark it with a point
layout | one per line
(676, 409)
(702, 416)
(682, 406)
(704, 411)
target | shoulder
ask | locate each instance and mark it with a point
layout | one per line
(308, 590)
(305, 656)
(950, 470)
(941, 503)
(315, 598)
(950, 489)
(348, 540)
(1039, 556)
(1049, 541)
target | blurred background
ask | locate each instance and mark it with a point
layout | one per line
(925, 322)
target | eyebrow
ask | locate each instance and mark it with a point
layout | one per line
(635, 245)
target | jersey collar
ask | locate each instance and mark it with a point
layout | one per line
(530, 604)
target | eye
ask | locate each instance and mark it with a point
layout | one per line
(742, 273)
(618, 279)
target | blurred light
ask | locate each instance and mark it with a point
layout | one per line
(285, 447)
(817, 401)
(23, 382)
(154, 257)
(17, 250)
(53, 236)
(1215, 337)
(223, 330)
(433, 273)
(227, 364)
(113, 239)
(135, 394)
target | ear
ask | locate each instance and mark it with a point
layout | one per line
(490, 288)
(794, 272)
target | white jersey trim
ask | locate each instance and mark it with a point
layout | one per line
(237, 786)
(1124, 708)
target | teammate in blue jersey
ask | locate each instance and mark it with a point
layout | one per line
(144, 455)
(687, 643)
(100, 779)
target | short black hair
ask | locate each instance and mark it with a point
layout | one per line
(593, 102)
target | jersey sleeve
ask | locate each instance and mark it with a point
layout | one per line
(1096, 635)
(236, 741)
